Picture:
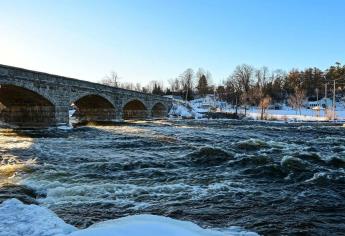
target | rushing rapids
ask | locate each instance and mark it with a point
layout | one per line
(272, 178)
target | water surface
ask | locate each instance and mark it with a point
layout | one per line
(273, 178)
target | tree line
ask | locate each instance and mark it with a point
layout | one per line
(248, 86)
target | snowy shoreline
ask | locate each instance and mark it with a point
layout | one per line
(190, 110)
(18, 219)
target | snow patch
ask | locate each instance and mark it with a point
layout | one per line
(186, 110)
(151, 225)
(288, 114)
(180, 110)
(18, 219)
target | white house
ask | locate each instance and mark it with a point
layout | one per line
(321, 104)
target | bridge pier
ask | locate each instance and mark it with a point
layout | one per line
(119, 114)
(61, 115)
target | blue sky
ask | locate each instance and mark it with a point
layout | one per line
(145, 40)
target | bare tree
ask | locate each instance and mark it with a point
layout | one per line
(174, 85)
(297, 99)
(137, 87)
(112, 79)
(209, 77)
(154, 84)
(200, 72)
(259, 92)
(127, 85)
(233, 91)
(243, 76)
(186, 80)
(264, 104)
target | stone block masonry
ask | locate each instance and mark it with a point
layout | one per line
(30, 99)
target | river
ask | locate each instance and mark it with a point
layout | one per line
(272, 178)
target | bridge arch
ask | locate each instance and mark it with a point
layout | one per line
(134, 109)
(159, 110)
(93, 107)
(25, 106)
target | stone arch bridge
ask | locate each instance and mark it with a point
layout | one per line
(35, 99)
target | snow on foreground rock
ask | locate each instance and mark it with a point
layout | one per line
(18, 219)
(151, 225)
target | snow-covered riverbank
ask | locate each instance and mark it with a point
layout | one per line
(18, 219)
(189, 110)
(288, 114)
